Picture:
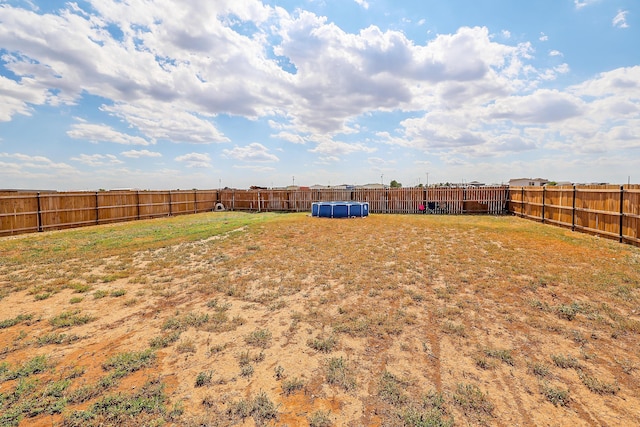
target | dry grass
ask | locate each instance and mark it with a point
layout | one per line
(392, 320)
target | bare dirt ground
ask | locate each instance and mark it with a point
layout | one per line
(389, 320)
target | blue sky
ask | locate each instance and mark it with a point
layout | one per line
(200, 94)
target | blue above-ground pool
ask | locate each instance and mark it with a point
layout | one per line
(340, 209)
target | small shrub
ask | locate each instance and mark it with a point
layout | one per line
(472, 400)
(76, 300)
(117, 293)
(130, 362)
(18, 319)
(292, 385)
(187, 345)
(566, 362)
(539, 369)
(259, 338)
(246, 370)
(70, 318)
(502, 355)
(101, 293)
(557, 396)
(390, 389)
(324, 345)
(278, 372)
(320, 419)
(568, 312)
(42, 296)
(597, 386)
(164, 340)
(338, 373)
(260, 408)
(204, 378)
(54, 338)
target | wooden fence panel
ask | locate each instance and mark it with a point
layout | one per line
(67, 210)
(153, 204)
(534, 197)
(182, 202)
(206, 200)
(117, 206)
(18, 213)
(598, 209)
(558, 205)
(631, 218)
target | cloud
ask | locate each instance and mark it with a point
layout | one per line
(254, 152)
(167, 122)
(583, 3)
(195, 160)
(362, 3)
(555, 53)
(97, 159)
(136, 154)
(543, 37)
(103, 133)
(17, 96)
(620, 20)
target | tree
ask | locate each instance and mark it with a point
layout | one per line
(395, 184)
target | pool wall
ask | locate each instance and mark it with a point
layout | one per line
(340, 209)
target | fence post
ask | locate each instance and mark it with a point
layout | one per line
(97, 210)
(544, 192)
(573, 210)
(621, 212)
(195, 201)
(170, 210)
(39, 215)
(138, 203)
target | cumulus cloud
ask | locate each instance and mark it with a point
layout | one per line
(195, 160)
(363, 3)
(103, 133)
(136, 154)
(254, 152)
(97, 159)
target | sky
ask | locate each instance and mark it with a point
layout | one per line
(165, 94)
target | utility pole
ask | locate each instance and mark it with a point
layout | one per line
(382, 179)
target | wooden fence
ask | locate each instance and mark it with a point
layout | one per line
(22, 212)
(610, 211)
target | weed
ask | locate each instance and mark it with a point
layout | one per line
(566, 362)
(626, 365)
(278, 372)
(290, 386)
(598, 386)
(324, 345)
(76, 300)
(101, 293)
(483, 362)
(539, 369)
(147, 407)
(130, 362)
(43, 296)
(454, 329)
(54, 338)
(246, 370)
(339, 373)
(502, 355)
(187, 345)
(320, 419)
(203, 379)
(259, 338)
(70, 318)
(260, 408)
(117, 293)
(390, 389)
(557, 396)
(164, 340)
(21, 318)
(79, 288)
(568, 312)
(472, 400)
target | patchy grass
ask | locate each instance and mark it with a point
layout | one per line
(418, 320)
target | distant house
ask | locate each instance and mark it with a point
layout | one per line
(372, 186)
(527, 182)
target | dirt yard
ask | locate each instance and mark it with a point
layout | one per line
(283, 319)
